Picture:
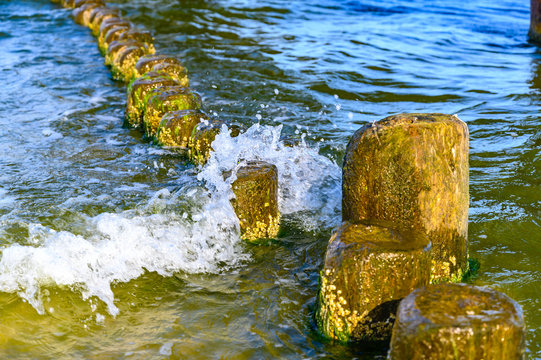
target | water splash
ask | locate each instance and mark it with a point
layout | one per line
(119, 247)
(309, 183)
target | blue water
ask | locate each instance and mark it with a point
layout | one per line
(75, 185)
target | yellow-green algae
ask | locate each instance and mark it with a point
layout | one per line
(115, 47)
(81, 15)
(122, 66)
(368, 269)
(98, 15)
(458, 322)
(200, 141)
(107, 31)
(256, 200)
(176, 127)
(162, 63)
(164, 99)
(141, 36)
(137, 95)
(413, 169)
(176, 71)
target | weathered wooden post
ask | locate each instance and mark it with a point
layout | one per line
(138, 91)
(123, 63)
(176, 127)
(81, 15)
(201, 139)
(162, 64)
(117, 24)
(256, 200)
(457, 321)
(165, 99)
(369, 268)
(535, 21)
(98, 15)
(412, 169)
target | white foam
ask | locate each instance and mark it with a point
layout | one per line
(123, 246)
(308, 182)
(202, 237)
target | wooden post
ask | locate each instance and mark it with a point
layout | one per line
(256, 200)
(412, 169)
(368, 269)
(457, 321)
(165, 99)
(535, 21)
(176, 128)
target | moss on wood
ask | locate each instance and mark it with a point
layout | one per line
(162, 64)
(256, 200)
(165, 99)
(413, 169)
(81, 15)
(137, 96)
(111, 32)
(368, 268)
(176, 127)
(122, 66)
(457, 321)
(98, 15)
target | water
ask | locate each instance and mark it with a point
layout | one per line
(114, 248)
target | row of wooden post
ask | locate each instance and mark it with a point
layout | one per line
(160, 103)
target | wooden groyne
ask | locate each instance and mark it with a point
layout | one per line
(161, 104)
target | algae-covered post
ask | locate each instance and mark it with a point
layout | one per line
(169, 65)
(166, 99)
(412, 169)
(256, 200)
(457, 321)
(535, 21)
(368, 269)
(123, 64)
(114, 25)
(176, 127)
(138, 91)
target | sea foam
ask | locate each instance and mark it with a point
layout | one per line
(202, 238)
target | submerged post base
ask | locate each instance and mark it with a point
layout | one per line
(368, 269)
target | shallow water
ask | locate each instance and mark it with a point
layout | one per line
(114, 248)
